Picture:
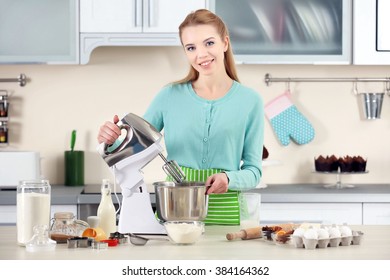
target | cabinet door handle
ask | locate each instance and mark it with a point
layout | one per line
(151, 13)
(138, 12)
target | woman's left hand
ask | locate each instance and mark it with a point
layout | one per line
(218, 183)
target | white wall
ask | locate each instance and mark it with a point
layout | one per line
(58, 99)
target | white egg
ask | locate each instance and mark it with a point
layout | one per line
(345, 230)
(322, 233)
(311, 233)
(334, 232)
(299, 232)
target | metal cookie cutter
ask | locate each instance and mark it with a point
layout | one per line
(79, 242)
(122, 238)
(99, 245)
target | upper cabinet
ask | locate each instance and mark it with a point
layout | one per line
(261, 31)
(39, 31)
(131, 23)
(371, 40)
(288, 31)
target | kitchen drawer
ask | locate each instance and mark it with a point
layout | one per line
(8, 212)
(376, 213)
(327, 213)
(7, 215)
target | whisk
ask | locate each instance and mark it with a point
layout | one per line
(172, 169)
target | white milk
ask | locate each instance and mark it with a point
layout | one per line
(106, 210)
(32, 209)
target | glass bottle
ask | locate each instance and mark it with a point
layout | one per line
(106, 210)
(32, 208)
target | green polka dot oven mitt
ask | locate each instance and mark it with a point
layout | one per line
(287, 122)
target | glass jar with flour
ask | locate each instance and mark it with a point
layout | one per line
(32, 208)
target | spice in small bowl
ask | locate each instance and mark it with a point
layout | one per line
(281, 237)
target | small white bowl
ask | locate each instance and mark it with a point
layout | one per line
(184, 232)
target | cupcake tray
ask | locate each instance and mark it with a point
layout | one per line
(338, 184)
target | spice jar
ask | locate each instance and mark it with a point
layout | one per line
(3, 105)
(66, 226)
(3, 132)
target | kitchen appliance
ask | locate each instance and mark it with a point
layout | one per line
(185, 201)
(138, 144)
(16, 166)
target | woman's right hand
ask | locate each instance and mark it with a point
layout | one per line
(109, 132)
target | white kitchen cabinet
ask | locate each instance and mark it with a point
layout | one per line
(132, 23)
(288, 31)
(7, 215)
(39, 31)
(8, 212)
(371, 36)
(376, 213)
(327, 213)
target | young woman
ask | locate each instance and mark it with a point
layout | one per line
(213, 125)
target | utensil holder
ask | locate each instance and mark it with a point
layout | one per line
(74, 168)
(372, 105)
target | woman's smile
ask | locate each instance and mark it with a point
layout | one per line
(206, 63)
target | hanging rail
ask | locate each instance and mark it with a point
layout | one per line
(22, 80)
(268, 80)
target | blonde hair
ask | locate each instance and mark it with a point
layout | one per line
(204, 16)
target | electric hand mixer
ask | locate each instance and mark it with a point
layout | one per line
(138, 145)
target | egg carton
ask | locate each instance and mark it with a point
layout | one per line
(307, 243)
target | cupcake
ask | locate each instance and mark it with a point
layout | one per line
(346, 164)
(327, 164)
(359, 164)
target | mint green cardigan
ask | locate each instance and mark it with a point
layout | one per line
(226, 133)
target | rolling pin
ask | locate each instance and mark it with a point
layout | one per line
(244, 234)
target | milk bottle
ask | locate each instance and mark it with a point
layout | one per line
(32, 208)
(106, 210)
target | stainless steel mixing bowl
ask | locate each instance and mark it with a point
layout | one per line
(185, 201)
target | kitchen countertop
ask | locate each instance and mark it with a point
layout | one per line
(213, 245)
(284, 193)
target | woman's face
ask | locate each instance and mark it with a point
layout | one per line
(204, 48)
